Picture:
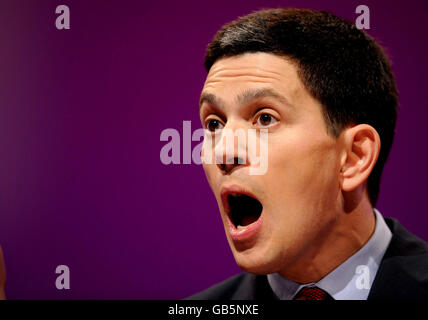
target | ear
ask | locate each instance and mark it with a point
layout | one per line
(361, 151)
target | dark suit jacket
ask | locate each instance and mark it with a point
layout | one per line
(402, 274)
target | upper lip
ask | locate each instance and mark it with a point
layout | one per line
(231, 189)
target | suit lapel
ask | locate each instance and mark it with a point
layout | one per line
(403, 272)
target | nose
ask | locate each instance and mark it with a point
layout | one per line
(228, 167)
(231, 151)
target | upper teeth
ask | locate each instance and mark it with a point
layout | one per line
(236, 194)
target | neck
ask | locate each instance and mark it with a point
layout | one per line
(350, 231)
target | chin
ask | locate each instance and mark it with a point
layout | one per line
(256, 265)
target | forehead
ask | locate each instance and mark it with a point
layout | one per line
(232, 75)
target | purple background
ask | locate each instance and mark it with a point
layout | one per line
(81, 112)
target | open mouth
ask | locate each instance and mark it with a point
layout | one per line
(243, 209)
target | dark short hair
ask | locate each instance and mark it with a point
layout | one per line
(344, 68)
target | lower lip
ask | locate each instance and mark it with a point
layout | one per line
(246, 234)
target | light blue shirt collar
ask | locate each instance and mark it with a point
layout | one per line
(352, 279)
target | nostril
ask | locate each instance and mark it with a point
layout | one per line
(229, 166)
(238, 160)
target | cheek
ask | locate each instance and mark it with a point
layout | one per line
(303, 172)
(302, 193)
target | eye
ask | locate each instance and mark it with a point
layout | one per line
(265, 119)
(214, 124)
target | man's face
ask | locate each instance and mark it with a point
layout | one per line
(291, 207)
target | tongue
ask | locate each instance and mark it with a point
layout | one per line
(248, 220)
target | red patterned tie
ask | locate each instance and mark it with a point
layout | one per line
(312, 293)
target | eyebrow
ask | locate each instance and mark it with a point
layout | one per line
(244, 98)
(211, 99)
(254, 94)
